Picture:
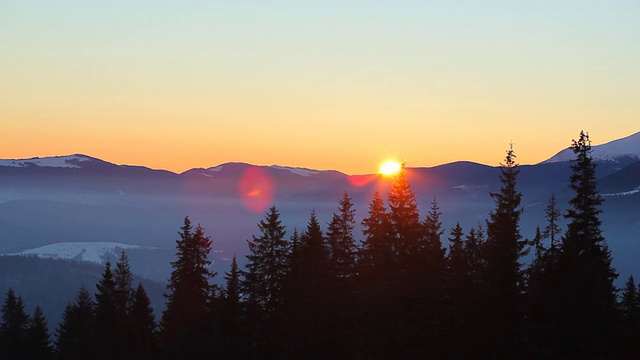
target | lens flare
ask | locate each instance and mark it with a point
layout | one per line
(256, 189)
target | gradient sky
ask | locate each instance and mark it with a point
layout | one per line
(325, 84)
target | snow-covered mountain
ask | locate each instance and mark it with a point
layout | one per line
(623, 150)
(96, 252)
(69, 161)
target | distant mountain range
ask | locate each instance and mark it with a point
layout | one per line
(81, 199)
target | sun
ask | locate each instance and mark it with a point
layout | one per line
(390, 167)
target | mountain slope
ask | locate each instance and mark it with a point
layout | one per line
(623, 151)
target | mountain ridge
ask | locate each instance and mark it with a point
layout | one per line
(624, 150)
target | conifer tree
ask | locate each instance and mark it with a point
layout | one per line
(13, 330)
(474, 250)
(341, 242)
(538, 247)
(503, 250)
(407, 234)
(293, 261)
(536, 300)
(107, 327)
(267, 264)
(630, 301)
(143, 344)
(342, 268)
(434, 252)
(231, 337)
(264, 280)
(537, 267)
(580, 288)
(38, 337)
(285, 329)
(314, 252)
(232, 289)
(552, 231)
(375, 257)
(123, 285)
(630, 310)
(404, 217)
(467, 338)
(431, 282)
(379, 316)
(457, 261)
(458, 282)
(310, 334)
(433, 230)
(189, 293)
(76, 337)
(293, 276)
(587, 301)
(122, 299)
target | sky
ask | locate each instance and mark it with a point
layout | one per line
(327, 84)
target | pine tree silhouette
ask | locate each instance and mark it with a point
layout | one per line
(504, 276)
(76, 335)
(343, 272)
(13, 330)
(311, 335)
(587, 301)
(107, 329)
(143, 342)
(186, 316)
(264, 280)
(267, 264)
(122, 298)
(38, 338)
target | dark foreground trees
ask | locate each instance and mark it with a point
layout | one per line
(185, 322)
(14, 327)
(76, 337)
(503, 277)
(89, 328)
(586, 297)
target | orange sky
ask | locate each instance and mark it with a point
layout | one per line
(339, 86)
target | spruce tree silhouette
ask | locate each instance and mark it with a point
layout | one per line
(186, 316)
(13, 329)
(107, 326)
(587, 300)
(504, 277)
(143, 342)
(38, 337)
(76, 335)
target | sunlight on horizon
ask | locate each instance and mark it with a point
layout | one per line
(390, 167)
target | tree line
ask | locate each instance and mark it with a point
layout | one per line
(397, 293)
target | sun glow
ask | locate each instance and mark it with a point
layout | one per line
(390, 167)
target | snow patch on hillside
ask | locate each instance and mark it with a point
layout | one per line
(70, 161)
(96, 252)
(216, 169)
(297, 171)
